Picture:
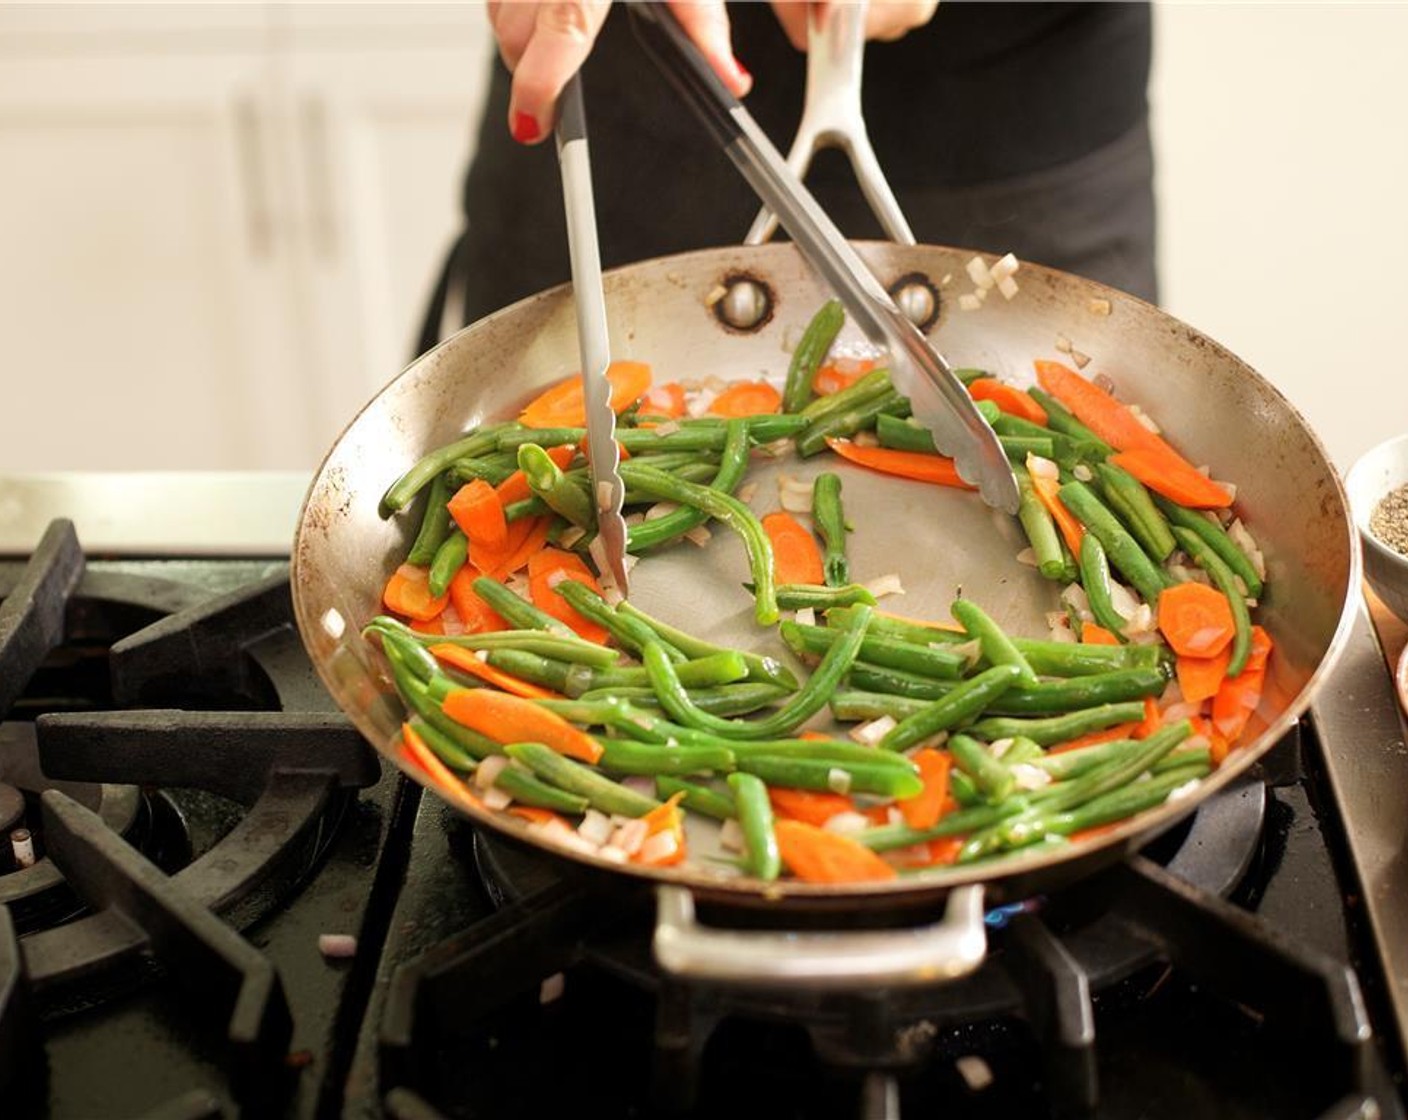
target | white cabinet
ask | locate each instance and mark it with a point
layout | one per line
(217, 231)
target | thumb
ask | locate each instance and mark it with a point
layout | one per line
(559, 42)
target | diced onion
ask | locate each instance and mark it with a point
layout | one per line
(968, 302)
(731, 836)
(1073, 595)
(1041, 467)
(668, 428)
(1102, 381)
(1230, 487)
(612, 854)
(1141, 622)
(979, 272)
(630, 836)
(1123, 600)
(838, 780)
(847, 823)
(1008, 287)
(794, 493)
(496, 798)
(1030, 777)
(1001, 747)
(633, 519)
(976, 1073)
(807, 616)
(661, 509)
(697, 404)
(595, 827)
(698, 536)
(1059, 627)
(1083, 473)
(866, 439)
(870, 734)
(1175, 712)
(1144, 418)
(746, 492)
(337, 946)
(971, 652)
(1005, 267)
(1081, 360)
(489, 770)
(1027, 557)
(571, 536)
(1187, 789)
(551, 989)
(659, 847)
(888, 584)
(1063, 344)
(1099, 307)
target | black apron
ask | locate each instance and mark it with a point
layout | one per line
(1001, 127)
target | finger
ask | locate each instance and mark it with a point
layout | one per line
(889, 20)
(706, 22)
(513, 25)
(792, 15)
(561, 39)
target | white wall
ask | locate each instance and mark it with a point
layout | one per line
(1282, 147)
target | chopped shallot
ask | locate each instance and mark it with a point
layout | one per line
(496, 798)
(1081, 360)
(640, 784)
(1027, 557)
(1073, 595)
(968, 302)
(1103, 382)
(668, 428)
(1030, 777)
(979, 273)
(1187, 789)
(1001, 747)
(1005, 267)
(866, 439)
(571, 536)
(697, 404)
(731, 835)
(972, 651)
(1099, 307)
(746, 492)
(612, 854)
(1247, 543)
(794, 493)
(847, 823)
(630, 836)
(1008, 287)
(1123, 600)
(870, 734)
(1059, 627)
(699, 535)
(807, 616)
(489, 770)
(595, 827)
(1083, 473)
(838, 780)
(661, 509)
(659, 847)
(1063, 344)
(1042, 467)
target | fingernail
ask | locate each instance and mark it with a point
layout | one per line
(745, 79)
(524, 127)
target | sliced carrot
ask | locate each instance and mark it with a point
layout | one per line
(945, 849)
(533, 541)
(666, 818)
(925, 809)
(918, 465)
(840, 374)
(817, 856)
(1153, 719)
(1195, 619)
(515, 487)
(434, 626)
(563, 405)
(549, 567)
(664, 400)
(407, 593)
(1117, 425)
(1093, 634)
(512, 719)
(536, 815)
(1219, 747)
(809, 805)
(1048, 490)
(747, 398)
(1199, 678)
(1261, 649)
(1094, 831)
(464, 660)
(795, 555)
(1092, 738)
(479, 514)
(1235, 702)
(1173, 477)
(1013, 401)
(488, 560)
(441, 777)
(477, 616)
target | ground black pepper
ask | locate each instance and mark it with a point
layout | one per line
(1389, 521)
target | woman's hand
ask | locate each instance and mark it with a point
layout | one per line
(884, 19)
(544, 44)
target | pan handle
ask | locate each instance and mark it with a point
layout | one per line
(836, 960)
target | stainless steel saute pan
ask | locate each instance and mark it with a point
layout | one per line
(667, 312)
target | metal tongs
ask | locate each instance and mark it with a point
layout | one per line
(608, 547)
(937, 397)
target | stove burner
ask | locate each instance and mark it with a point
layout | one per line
(286, 776)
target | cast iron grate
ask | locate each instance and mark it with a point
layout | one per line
(290, 771)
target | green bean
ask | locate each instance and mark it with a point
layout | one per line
(760, 668)
(1019, 447)
(811, 351)
(842, 425)
(849, 704)
(675, 460)
(1137, 797)
(625, 757)
(721, 700)
(630, 633)
(904, 435)
(492, 468)
(450, 557)
(1020, 749)
(434, 524)
(732, 467)
(724, 667)
(750, 796)
(830, 522)
(801, 596)
(521, 785)
(885, 626)
(467, 740)
(890, 836)
(697, 798)
(1127, 496)
(835, 751)
(403, 651)
(400, 492)
(1225, 581)
(988, 410)
(546, 480)
(446, 749)
(731, 512)
(1095, 578)
(527, 507)
(1051, 730)
(992, 776)
(573, 649)
(970, 374)
(564, 773)
(963, 789)
(874, 384)
(1064, 450)
(1046, 698)
(1123, 550)
(1040, 527)
(801, 707)
(824, 774)
(997, 647)
(929, 661)
(1078, 659)
(965, 701)
(1216, 538)
(623, 717)
(1060, 419)
(573, 680)
(702, 473)
(517, 611)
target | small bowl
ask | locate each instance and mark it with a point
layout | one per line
(1379, 471)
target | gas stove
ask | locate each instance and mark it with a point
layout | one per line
(218, 903)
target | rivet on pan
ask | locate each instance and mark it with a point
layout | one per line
(746, 303)
(917, 297)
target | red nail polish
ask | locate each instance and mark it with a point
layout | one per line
(742, 71)
(524, 128)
